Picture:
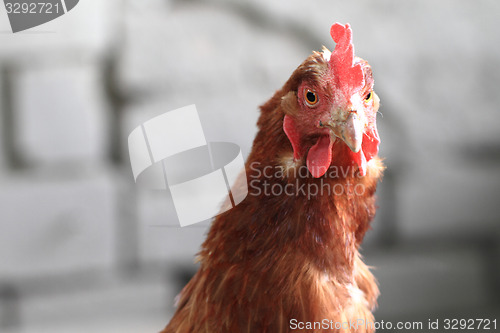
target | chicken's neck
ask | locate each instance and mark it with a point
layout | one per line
(324, 218)
(290, 214)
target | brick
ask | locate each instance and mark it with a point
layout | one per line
(136, 115)
(60, 114)
(56, 225)
(160, 236)
(181, 56)
(231, 122)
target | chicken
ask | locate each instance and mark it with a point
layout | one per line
(287, 258)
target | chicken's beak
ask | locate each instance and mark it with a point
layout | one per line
(350, 130)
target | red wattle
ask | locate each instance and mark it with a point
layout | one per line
(369, 149)
(360, 159)
(292, 134)
(371, 142)
(319, 157)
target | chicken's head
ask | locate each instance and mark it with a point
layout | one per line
(332, 106)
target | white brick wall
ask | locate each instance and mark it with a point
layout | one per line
(60, 114)
(56, 223)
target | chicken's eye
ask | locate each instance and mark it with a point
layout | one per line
(311, 97)
(369, 96)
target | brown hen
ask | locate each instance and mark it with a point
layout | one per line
(287, 258)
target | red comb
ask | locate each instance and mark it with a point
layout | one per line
(349, 77)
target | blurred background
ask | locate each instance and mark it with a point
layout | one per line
(82, 249)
